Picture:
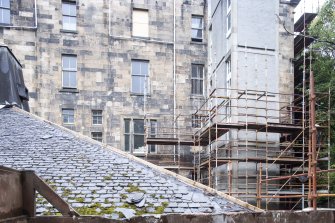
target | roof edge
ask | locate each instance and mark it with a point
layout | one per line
(10, 51)
(181, 178)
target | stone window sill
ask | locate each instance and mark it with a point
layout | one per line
(69, 90)
(69, 31)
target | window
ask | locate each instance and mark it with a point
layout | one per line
(97, 136)
(228, 6)
(140, 23)
(228, 77)
(140, 76)
(4, 11)
(69, 15)
(68, 116)
(152, 134)
(228, 18)
(69, 71)
(134, 135)
(197, 79)
(196, 121)
(228, 87)
(228, 24)
(96, 117)
(197, 27)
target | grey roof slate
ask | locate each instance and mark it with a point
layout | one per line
(95, 178)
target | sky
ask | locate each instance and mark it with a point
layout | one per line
(307, 6)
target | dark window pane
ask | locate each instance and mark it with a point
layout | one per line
(68, 116)
(138, 141)
(228, 22)
(153, 128)
(139, 126)
(201, 90)
(152, 148)
(97, 117)
(97, 136)
(127, 143)
(198, 33)
(127, 125)
(200, 71)
(194, 70)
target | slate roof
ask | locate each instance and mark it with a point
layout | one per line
(97, 179)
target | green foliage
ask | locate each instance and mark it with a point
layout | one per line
(323, 64)
(153, 195)
(132, 188)
(160, 209)
(80, 199)
(323, 27)
(66, 192)
(124, 196)
(108, 177)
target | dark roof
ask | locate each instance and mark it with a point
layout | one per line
(90, 175)
(12, 87)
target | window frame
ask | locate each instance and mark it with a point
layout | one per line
(70, 70)
(201, 79)
(71, 3)
(146, 81)
(229, 6)
(97, 138)
(131, 135)
(99, 117)
(68, 116)
(228, 77)
(196, 121)
(134, 10)
(228, 18)
(2, 9)
(196, 39)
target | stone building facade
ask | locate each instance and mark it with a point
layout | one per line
(98, 67)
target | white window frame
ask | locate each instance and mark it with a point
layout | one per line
(229, 18)
(195, 39)
(146, 87)
(72, 71)
(153, 134)
(138, 23)
(132, 135)
(66, 15)
(228, 90)
(228, 77)
(4, 9)
(97, 116)
(63, 115)
(229, 6)
(201, 79)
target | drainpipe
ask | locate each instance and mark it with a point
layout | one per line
(174, 74)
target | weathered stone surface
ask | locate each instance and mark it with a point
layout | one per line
(104, 46)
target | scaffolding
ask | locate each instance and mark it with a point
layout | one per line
(255, 146)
